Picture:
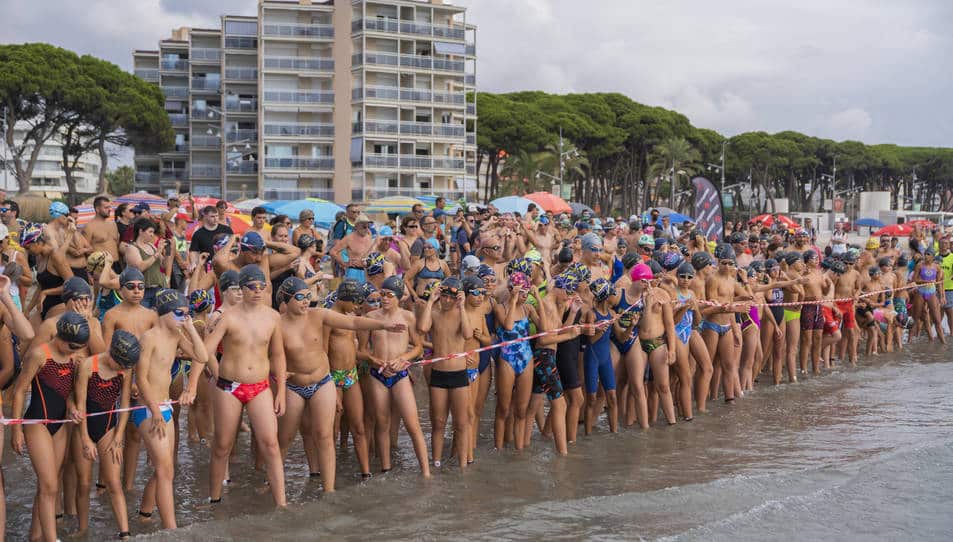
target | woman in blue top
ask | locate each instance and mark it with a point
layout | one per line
(512, 318)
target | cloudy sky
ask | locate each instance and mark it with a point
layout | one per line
(874, 71)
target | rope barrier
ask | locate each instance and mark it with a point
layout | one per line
(22, 421)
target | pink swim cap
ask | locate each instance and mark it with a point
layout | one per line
(642, 272)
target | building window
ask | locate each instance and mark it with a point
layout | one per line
(241, 28)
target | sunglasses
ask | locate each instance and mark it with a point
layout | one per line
(302, 297)
(4, 209)
(256, 286)
(411, 226)
(477, 292)
(429, 223)
(75, 346)
(307, 218)
(729, 263)
(388, 294)
(448, 292)
(595, 249)
(373, 302)
(686, 277)
(130, 286)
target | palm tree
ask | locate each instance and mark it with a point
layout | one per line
(672, 157)
(519, 172)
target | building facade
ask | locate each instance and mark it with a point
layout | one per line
(49, 178)
(348, 101)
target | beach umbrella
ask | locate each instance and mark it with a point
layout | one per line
(430, 201)
(869, 223)
(393, 205)
(895, 230)
(157, 205)
(249, 204)
(765, 220)
(324, 211)
(512, 204)
(273, 206)
(550, 202)
(86, 214)
(787, 222)
(673, 216)
(578, 208)
(204, 201)
(923, 223)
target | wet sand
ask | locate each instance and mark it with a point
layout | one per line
(861, 454)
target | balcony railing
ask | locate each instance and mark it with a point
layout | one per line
(382, 59)
(201, 83)
(181, 147)
(299, 129)
(234, 42)
(382, 93)
(244, 106)
(416, 95)
(415, 162)
(416, 128)
(448, 130)
(172, 174)
(148, 74)
(374, 193)
(206, 172)
(469, 79)
(206, 54)
(242, 167)
(415, 28)
(471, 49)
(299, 30)
(299, 63)
(241, 74)
(471, 109)
(174, 65)
(147, 176)
(297, 193)
(471, 139)
(321, 164)
(179, 119)
(471, 170)
(206, 115)
(243, 134)
(175, 92)
(381, 127)
(318, 97)
(457, 98)
(446, 65)
(449, 163)
(380, 160)
(206, 141)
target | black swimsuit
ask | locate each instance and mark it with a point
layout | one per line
(50, 389)
(101, 396)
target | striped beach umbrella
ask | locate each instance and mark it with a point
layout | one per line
(393, 205)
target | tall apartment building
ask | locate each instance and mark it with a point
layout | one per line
(341, 100)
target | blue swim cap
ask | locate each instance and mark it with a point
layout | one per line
(58, 209)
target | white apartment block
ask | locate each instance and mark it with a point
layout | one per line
(348, 101)
(48, 177)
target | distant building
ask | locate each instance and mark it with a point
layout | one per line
(344, 101)
(48, 177)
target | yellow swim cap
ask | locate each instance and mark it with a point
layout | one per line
(873, 243)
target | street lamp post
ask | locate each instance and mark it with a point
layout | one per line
(720, 168)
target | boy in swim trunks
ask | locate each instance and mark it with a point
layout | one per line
(449, 325)
(154, 377)
(390, 354)
(253, 347)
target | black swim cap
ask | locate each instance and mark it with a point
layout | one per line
(838, 266)
(305, 241)
(451, 285)
(350, 290)
(792, 257)
(72, 327)
(394, 284)
(685, 268)
(724, 251)
(630, 259)
(290, 286)
(809, 255)
(736, 238)
(565, 255)
(701, 260)
(884, 261)
(124, 348)
(472, 283)
(655, 267)
(250, 273)
(76, 287)
(873, 270)
(167, 300)
(770, 263)
(131, 274)
(228, 279)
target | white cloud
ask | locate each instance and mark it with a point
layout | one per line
(850, 123)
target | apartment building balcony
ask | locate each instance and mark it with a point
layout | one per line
(148, 74)
(300, 163)
(388, 161)
(412, 161)
(205, 115)
(241, 44)
(248, 106)
(292, 97)
(172, 174)
(179, 119)
(242, 167)
(471, 169)
(298, 31)
(295, 63)
(412, 28)
(452, 98)
(205, 55)
(299, 129)
(471, 109)
(469, 79)
(241, 74)
(382, 192)
(423, 62)
(244, 134)
(379, 127)
(204, 84)
(416, 95)
(378, 93)
(180, 65)
(471, 138)
(449, 163)
(206, 141)
(449, 130)
(471, 49)
(298, 193)
(206, 172)
(175, 92)
(147, 176)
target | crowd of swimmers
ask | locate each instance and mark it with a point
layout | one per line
(109, 330)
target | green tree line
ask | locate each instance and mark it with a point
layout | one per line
(624, 156)
(89, 104)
